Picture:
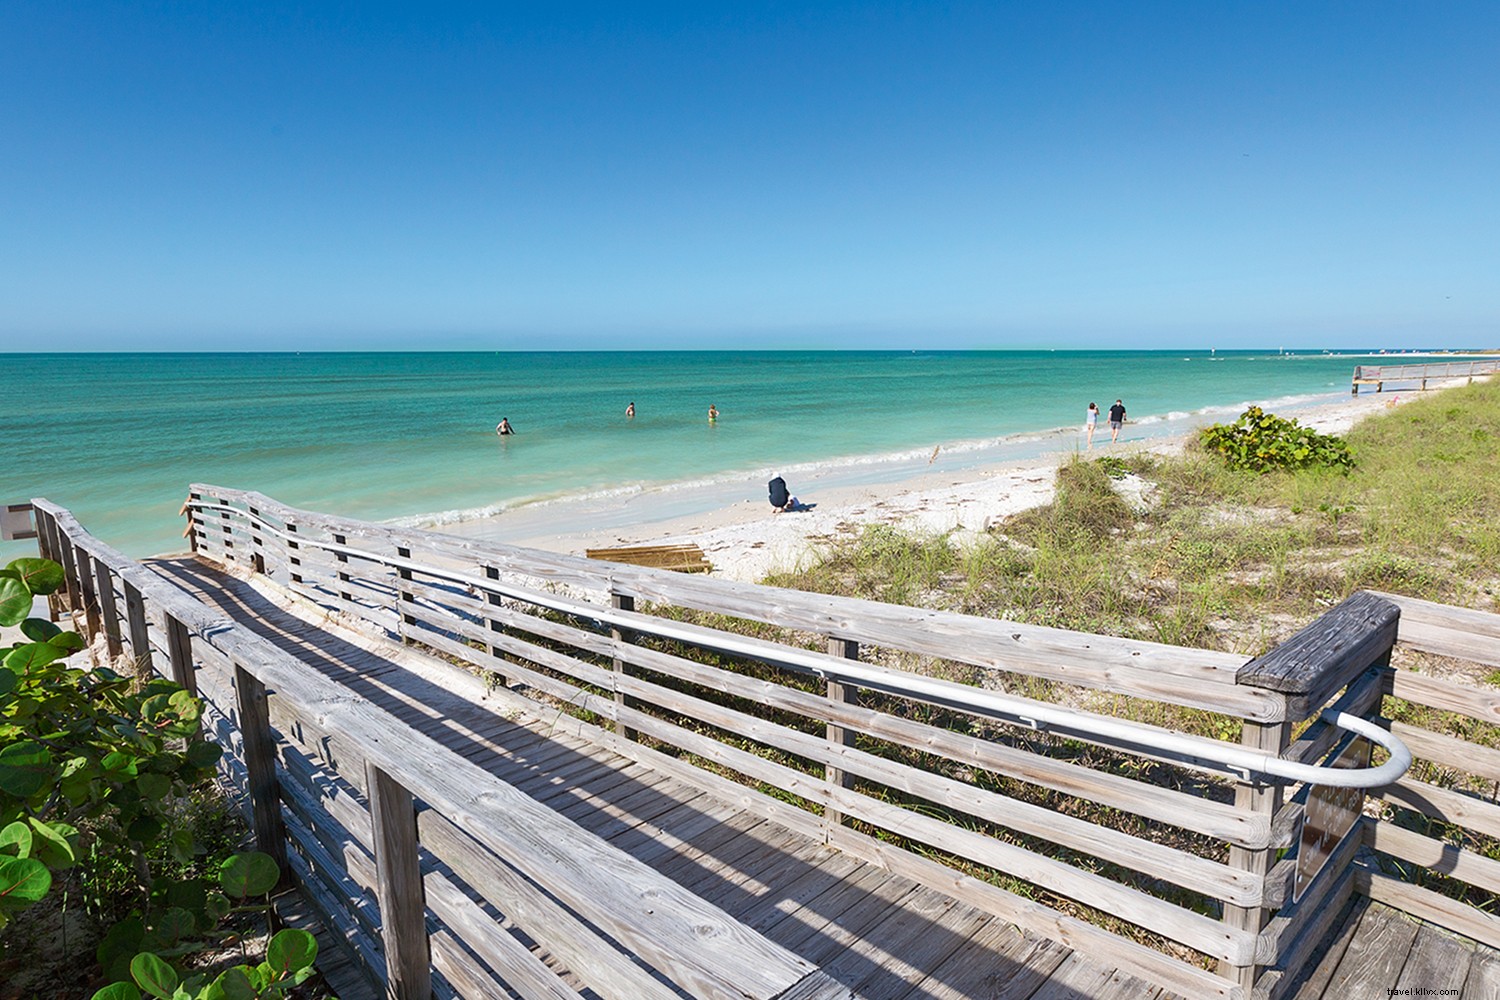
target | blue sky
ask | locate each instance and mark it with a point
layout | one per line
(368, 176)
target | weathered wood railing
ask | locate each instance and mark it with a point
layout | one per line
(479, 848)
(1378, 375)
(1193, 867)
(1442, 823)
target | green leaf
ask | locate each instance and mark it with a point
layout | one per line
(32, 655)
(236, 984)
(154, 786)
(15, 601)
(119, 946)
(153, 975)
(290, 951)
(8, 680)
(191, 895)
(55, 843)
(69, 641)
(174, 925)
(215, 907)
(119, 765)
(203, 754)
(39, 629)
(23, 881)
(180, 846)
(15, 840)
(249, 874)
(144, 829)
(41, 576)
(25, 769)
(118, 991)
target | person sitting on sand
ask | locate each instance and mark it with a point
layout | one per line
(781, 497)
(503, 427)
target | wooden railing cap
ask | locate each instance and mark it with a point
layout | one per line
(1331, 651)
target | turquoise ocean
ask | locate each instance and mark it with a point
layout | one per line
(410, 437)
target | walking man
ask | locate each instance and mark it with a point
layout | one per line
(1116, 418)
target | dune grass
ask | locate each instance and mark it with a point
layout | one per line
(1221, 559)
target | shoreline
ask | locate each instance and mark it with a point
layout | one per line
(746, 540)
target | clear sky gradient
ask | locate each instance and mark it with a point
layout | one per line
(629, 175)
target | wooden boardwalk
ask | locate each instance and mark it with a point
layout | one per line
(886, 936)
(500, 772)
(1378, 949)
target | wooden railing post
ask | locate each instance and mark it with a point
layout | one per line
(839, 736)
(180, 653)
(259, 748)
(109, 613)
(257, 552)
(140, 636)
(228, 529)
(403, 907)
(1307, 671)
(192, 521)
(404, 596)
(621, 602)
(68, 595)
(294, 560)
(81, 563)
(343, 558)
(1260, 799)
(493, 572)
(47, 549)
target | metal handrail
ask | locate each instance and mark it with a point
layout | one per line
(1195, 752)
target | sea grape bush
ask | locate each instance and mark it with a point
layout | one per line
(80, 749)
(288, 964)
(138, 960)
(1263, 442)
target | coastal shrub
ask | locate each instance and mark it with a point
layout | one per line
(1263, 442)
(137, 957)
(86, 749)
(102, 782)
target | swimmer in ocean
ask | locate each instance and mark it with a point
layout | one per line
(503, 427)
(713, 414)
(630, 411)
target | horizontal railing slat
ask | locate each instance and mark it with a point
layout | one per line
(1437, 856)
(1131, 667)
(1149, 800)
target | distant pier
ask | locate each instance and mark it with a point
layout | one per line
(1442, 371)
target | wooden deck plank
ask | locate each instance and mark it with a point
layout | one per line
(1074, 979)
(850, 913)
(718, 840)
(824, 876)
(738, 859)
(1484, 976)
(924, 932)
(1437, 961)
(1326, 964)
(621, 805)
(1375, 956)
(997, 963)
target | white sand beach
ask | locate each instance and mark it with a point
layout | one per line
(745, 540)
